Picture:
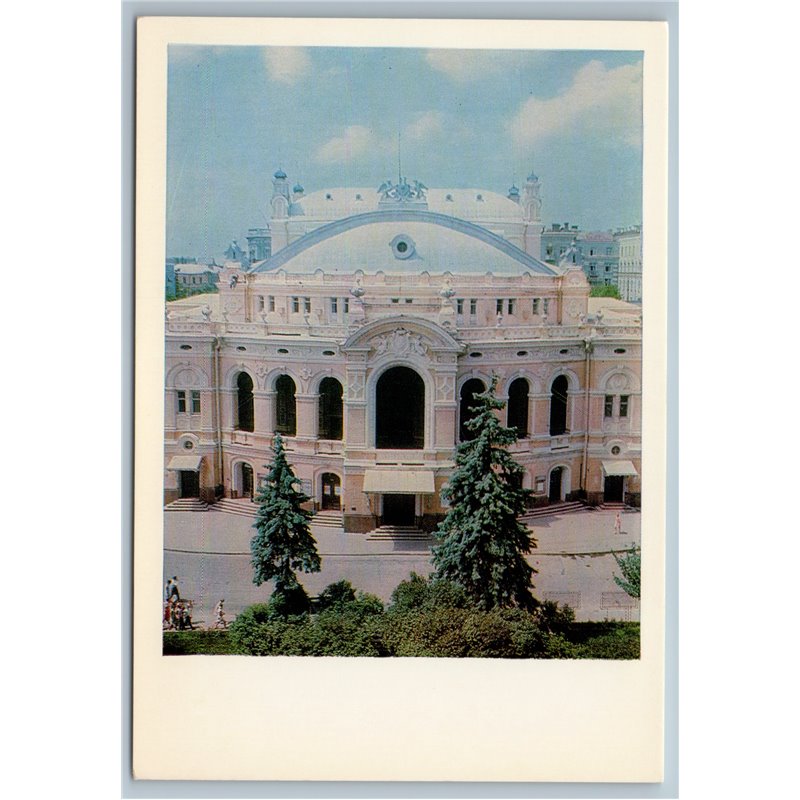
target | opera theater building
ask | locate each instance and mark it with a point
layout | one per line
(358, 324)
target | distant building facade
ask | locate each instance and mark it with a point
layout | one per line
(599, 257)
(361, 336)
(629, 242)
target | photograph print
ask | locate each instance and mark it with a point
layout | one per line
(403, 318)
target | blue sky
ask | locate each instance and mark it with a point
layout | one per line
(331, 117)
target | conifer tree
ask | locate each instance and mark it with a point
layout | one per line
(482, 544)
(283, 542)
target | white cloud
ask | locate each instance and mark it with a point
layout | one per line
(464, 65)
(356, 142)
(425, 126)
(605, 102)
(287, 64)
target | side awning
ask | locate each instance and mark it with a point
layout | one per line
(399, 481)
(611, 468)
(189, 463)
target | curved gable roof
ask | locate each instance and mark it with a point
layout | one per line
(441, 244)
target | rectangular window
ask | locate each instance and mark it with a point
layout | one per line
(181, 402)
(346, 303)
(260, 302)
(459, 307)
(395, 299)
(608, 267)
(623, 405)
(535, 305)
(295, 305)
(608, 251)
(473, 307)
(499, 307)
(334, 305)
(511, 304)
(271, 303)
(195, 402)
(545, 305)
(608, 408)
(307, 304)
(408, 299)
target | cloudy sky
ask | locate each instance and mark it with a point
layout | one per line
(332, 116)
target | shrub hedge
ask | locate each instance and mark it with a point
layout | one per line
(425, 619)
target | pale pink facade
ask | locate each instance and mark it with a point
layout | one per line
(356, 339)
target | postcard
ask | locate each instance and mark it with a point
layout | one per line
(400, 400)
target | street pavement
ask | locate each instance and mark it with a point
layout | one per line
(209, 552)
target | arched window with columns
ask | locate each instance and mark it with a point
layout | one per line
(400, 410)
(330, 409)
(244, 402)
(559, 392)
(518, 407)
(285, 406)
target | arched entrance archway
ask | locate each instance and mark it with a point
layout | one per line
(556, 493)
(400, 410)
(331, 492)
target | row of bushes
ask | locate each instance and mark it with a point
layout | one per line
(424, 619)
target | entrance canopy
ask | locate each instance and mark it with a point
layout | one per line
(189, 463)
(399, 481)
(611, 468)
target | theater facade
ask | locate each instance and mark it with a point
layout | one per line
(359, 323)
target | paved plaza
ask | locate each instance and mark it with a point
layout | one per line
(209, 552)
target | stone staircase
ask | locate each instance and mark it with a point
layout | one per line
(328, 519)
(398, 533)
(242, 508)
(187, 504)
(554, 508)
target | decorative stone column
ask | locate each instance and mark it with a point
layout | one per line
(263, 405)
(445, 407)
(307, 406)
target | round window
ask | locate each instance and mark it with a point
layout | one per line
(188, 445)
(615, 451)
(402, 246)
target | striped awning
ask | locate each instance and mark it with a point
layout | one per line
(611, 468)
(399, 481)
(189, 463)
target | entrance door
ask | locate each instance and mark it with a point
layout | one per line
(331, 492)
(190, 483)
(555, 485)
(399, 509)
(247, 481)
(614, 489)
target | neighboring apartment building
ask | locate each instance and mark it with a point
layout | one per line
(629, 241)
(361, 338)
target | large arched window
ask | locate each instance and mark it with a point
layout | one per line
(330, 409)
(472, 387)
(400, 410)
(244, 402)
(558, 405)
(518, 407)
(285, 410)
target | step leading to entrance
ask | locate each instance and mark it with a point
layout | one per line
(398, 533)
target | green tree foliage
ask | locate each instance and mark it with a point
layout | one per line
(630, 565)
(283, 543)
(604, 291)
(482, 545)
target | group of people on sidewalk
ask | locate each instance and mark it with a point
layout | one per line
(178, 611)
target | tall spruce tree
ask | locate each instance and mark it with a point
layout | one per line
(283, 542)
(482, 544)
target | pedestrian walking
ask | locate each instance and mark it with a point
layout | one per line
(618, 523)
(174, 591)
(168, 590)
(219, 610)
